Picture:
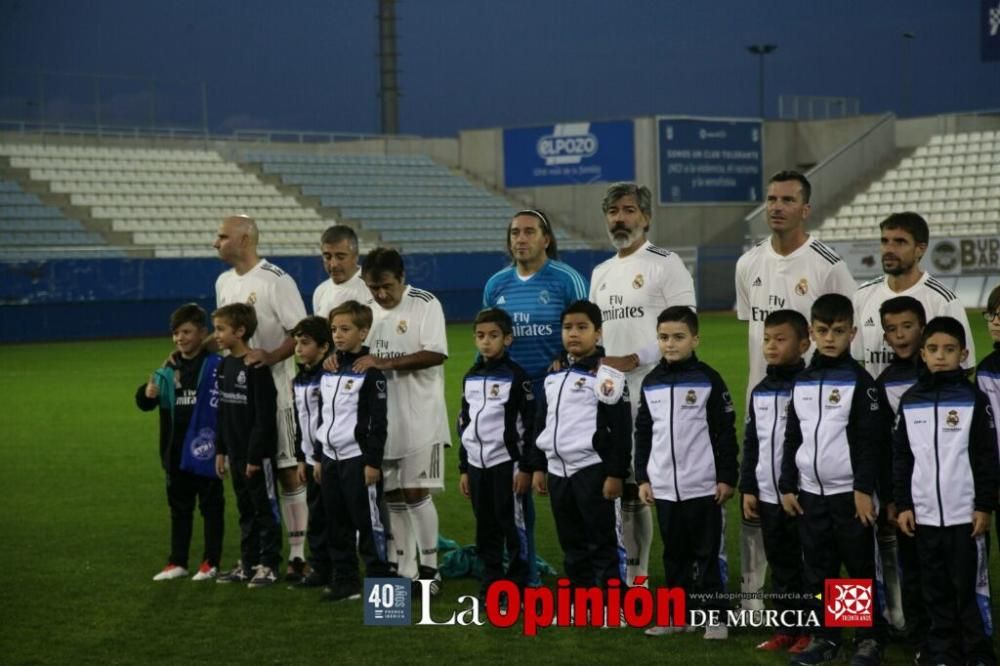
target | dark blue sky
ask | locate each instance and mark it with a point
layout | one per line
(481, 63)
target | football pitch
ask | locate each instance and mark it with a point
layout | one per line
(85, 526)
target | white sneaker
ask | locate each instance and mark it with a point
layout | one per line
(716, 632)
(205, 572)
(622, 622)
(657, 630)
(170, 572)
(265, 577)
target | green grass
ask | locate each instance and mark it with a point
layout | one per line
(84, 526)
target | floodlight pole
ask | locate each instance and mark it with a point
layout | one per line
(761, 50)
(388, 69)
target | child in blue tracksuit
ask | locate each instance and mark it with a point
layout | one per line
(495, 422)
(176, 389)
(988, 371)
(685, 462)
(946, 473)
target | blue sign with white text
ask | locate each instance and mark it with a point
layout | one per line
(990, 32)
(569, 154)
(709, 161)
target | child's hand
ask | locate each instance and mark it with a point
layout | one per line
(372, 475)
(723, 491)
(317, 472)
(251, 470)
(522, 483)
(612, 488)
(906, 522)
(891, 515)
(646, 493)
(330, 363)
(790, 503)
(540, 483)
(463, 486)
(864, 508)
(300, 473)
(750, 507)
(980, 523)
(152, 388)
(220, 466)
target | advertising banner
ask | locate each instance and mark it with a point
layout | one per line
(569, 154)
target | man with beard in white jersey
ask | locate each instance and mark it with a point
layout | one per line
(632, 288)
(408, 343)
(339, 247)
(904, 238)
(279, 307)
(786, 271)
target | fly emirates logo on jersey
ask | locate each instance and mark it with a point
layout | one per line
(619, 310)
(524, 327)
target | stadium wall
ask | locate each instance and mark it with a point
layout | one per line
(114, 298)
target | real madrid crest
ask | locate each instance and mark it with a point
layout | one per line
(543, 297)
(349, 384)
(637, 281)
(952, 418)
(690, 398)
(401, 327)
(802, 287)
(834, 396)
(252, 298)
(494, 390)
(579, 383)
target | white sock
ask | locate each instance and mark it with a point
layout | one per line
(753, 564)
(424, 519)
(295, 513)
(637, 533)
(402, 550)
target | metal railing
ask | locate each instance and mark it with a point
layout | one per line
(813, 107)
(848, 164)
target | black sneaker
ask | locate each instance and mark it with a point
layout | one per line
(296, 570)
(342, 590)
(431, 574)
(868, 653)
(313, 579)
(236, 575)
(819, 651)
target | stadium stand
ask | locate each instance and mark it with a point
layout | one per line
(953, 180)
(165, 201)
(29, 229)
(408, 200)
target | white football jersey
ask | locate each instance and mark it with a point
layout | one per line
(767, 281)
(417, 413)
(869, 347)
(276, 300)
(329, 294)
(632, 292)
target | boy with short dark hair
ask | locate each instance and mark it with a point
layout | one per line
(177, 389)
(786, 340)
(902, 319)
(988, 371)
(495, 426)
(685, 462)
(348, 464)
(312, 345)
(830, 470)
(946, 473)
(248, 439)
(581, 453)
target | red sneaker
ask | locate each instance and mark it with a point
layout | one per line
(777, 642)
(801, 643)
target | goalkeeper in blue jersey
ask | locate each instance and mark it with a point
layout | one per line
(534, 290)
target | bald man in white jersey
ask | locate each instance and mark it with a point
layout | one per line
(632, 288)
(279, 307)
